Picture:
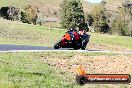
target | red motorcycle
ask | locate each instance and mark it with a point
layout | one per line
(74, 41)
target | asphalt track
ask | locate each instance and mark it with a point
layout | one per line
(29, 48)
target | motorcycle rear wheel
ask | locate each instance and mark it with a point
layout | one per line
(83, 48)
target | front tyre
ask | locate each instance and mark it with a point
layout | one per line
(57, 45)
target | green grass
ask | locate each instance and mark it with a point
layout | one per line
(20, 33)
(110, 1)
(28, 70)
(20, 70)
(52, 3)
(18, 3)
(22, 3)
(122, 41)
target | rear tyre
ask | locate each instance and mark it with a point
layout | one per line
(83, 48)
(84, 44)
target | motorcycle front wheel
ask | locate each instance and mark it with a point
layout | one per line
(57, 45)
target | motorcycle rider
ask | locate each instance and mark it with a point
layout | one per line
(68, 37)
(84, 37)
(77, 37)
(71, 36)
(70, 31)
(74, 34)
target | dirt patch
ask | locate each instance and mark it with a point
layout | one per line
(115, 64)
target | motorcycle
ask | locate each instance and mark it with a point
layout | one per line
(75, 44)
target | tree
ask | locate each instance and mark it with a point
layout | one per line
(99, 18)
(71, 13)
(90, 19)
(103, 2)
(121, 25)
(117, 26)
(29, 14)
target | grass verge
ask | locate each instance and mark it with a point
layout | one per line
(115, 40)
(30, 70)
(26, 70)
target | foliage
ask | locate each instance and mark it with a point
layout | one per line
(24, 17)
(118, 22)
(71, 13)
(90, 19)
(29, 15)
(117, 27)
(121, 25)
(100, 19)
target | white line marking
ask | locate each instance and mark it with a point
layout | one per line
(114, 52)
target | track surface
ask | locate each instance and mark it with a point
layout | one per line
(28, 48)
(8, 47)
